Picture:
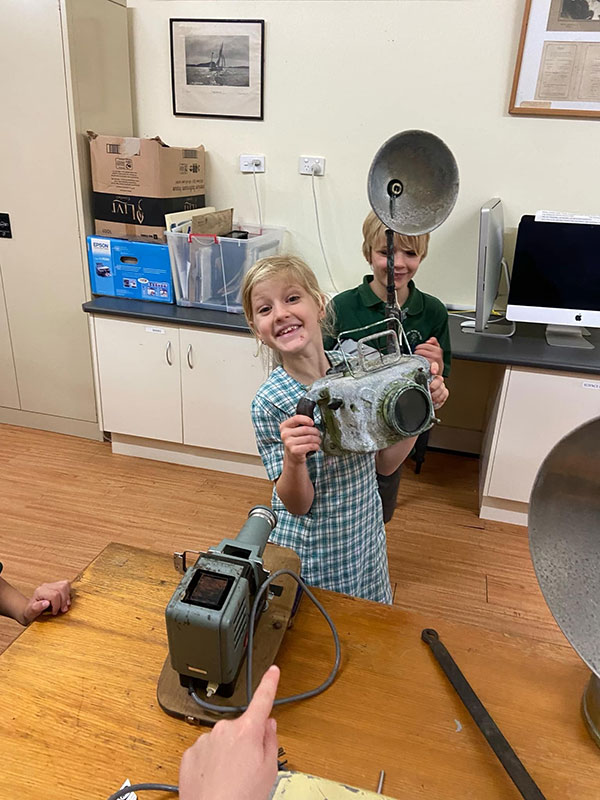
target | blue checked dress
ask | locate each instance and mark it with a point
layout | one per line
(341, 541)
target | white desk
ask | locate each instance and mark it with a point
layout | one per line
(545, 393)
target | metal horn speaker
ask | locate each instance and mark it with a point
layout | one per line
(413, 182)
(564, 539)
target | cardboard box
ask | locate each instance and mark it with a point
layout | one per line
(137, 181)
(137, 270)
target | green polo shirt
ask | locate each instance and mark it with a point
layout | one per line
(423, 316)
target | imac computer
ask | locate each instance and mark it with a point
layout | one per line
(490, 263)
(556, 279)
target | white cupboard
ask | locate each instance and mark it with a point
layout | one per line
(180, 385)
(534, 409)
(66, 68)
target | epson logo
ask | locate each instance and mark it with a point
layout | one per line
(98, 245)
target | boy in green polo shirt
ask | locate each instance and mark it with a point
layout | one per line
(424, 317)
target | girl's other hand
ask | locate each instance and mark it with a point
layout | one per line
(437, 388)
(432, 351)
(300, 437)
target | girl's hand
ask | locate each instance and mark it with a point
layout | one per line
(299, 437)
(432, 351)
(437, 388)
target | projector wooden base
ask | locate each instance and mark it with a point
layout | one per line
(175, 700)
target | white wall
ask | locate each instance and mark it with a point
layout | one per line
(340, 78)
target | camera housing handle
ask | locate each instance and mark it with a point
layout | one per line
(306, 407)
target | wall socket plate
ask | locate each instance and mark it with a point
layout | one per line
(311, 165)
(252, 163)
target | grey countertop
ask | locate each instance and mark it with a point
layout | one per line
(526, 348)
(167, 313)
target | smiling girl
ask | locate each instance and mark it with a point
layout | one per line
(328, 507)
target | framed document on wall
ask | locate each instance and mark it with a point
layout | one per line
(558, 62)
(217, 67)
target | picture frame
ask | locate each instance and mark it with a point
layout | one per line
(557, 72)
(217, 67)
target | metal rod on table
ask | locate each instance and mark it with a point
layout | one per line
(508, 758)
(380, 783)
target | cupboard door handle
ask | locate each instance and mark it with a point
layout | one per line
(168, 354)
(189, 357)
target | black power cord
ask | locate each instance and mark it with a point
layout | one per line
(303, 695)
(139, 787)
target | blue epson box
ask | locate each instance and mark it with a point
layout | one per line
(137, 270)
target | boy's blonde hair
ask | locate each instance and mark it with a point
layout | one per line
(374, 238)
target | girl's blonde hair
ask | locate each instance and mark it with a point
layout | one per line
(290, 267)
(374, 238)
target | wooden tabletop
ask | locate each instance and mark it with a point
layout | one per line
(79, 714)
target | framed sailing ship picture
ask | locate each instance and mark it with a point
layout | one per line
(217, 67)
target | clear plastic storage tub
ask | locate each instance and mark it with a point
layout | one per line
(208, 270)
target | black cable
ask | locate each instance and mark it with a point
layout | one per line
(139, 787)
(249, 655)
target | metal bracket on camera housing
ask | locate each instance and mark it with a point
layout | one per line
(371, 359)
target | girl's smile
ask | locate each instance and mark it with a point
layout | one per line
(285, 316)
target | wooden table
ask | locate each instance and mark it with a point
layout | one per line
(79, 699)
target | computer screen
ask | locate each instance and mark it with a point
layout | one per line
(556, 274)
(489, 262)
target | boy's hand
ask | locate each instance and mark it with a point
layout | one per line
(238, 758)
(300, 437)
(432, 351)
(437, 388)
(54, 596)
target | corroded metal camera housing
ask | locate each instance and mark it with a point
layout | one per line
(372, 399)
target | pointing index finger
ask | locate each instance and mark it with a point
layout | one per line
(261, 704)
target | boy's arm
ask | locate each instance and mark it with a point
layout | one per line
(443, 337)
(437, 346)
(55, 596)
(388, 460)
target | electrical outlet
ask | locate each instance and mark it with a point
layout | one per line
(252, 163)
(311, 165)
